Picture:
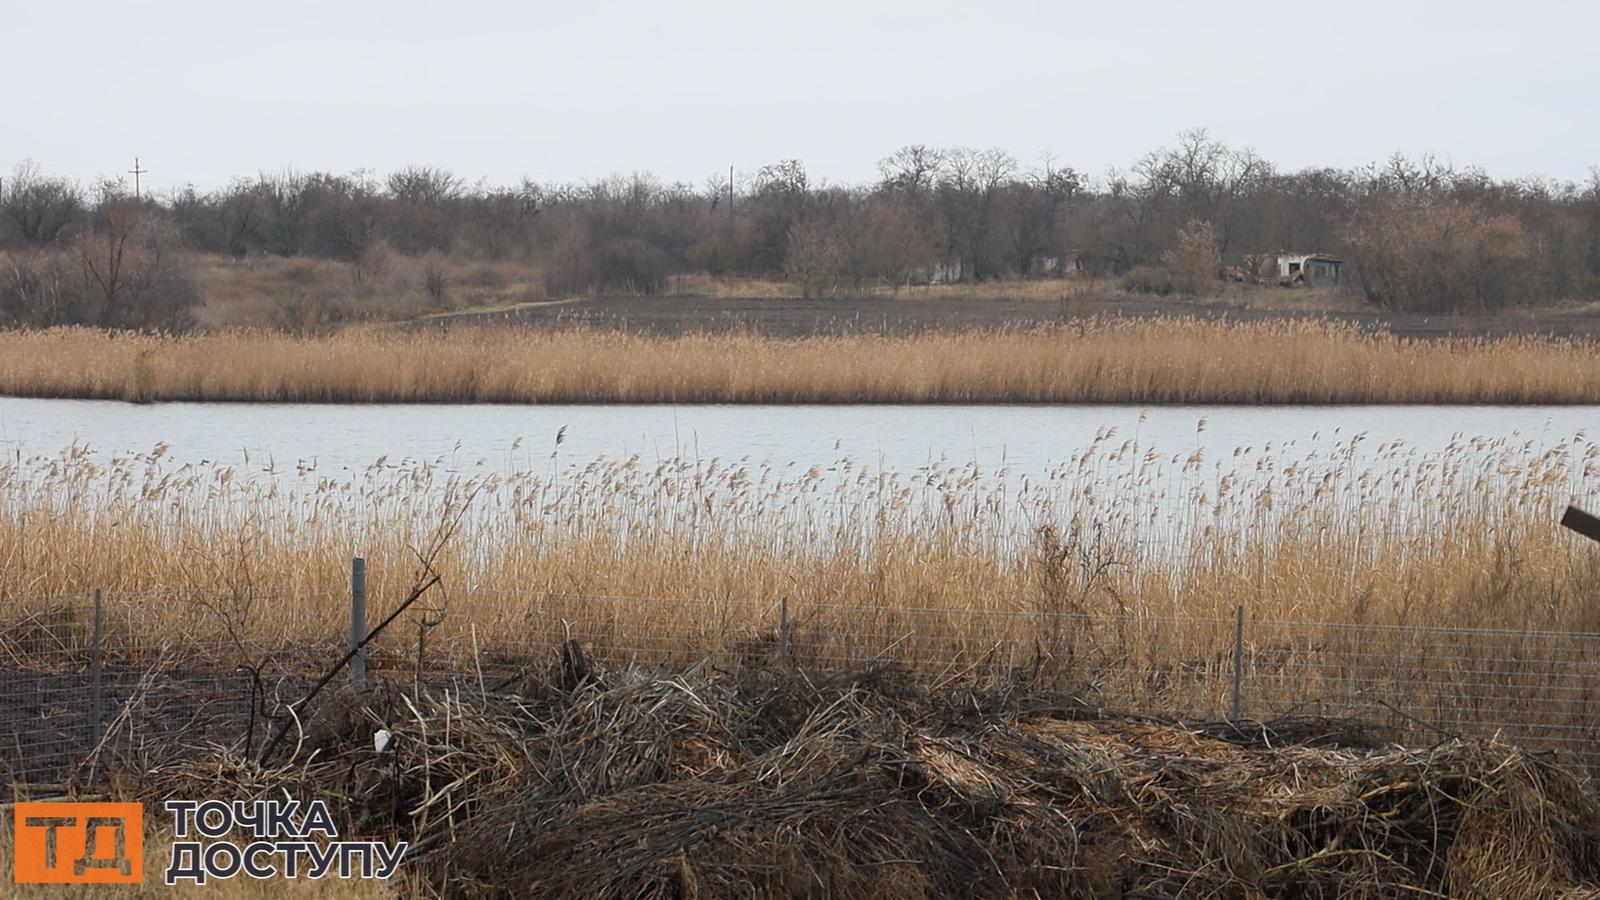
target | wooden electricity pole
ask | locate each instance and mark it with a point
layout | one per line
(730, 195)
(136, 172)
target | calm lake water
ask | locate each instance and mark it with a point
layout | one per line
(283, 441)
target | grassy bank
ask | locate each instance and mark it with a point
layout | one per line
(1101, 361)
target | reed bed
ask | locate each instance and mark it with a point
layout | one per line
(1369, 575)
(947, 715)
(1329, 531)
(1091, 361)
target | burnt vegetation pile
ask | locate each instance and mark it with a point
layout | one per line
(643, 784)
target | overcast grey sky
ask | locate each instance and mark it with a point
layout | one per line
(205, 90)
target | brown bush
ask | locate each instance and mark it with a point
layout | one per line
(814, 259)
(1148, 280)
(127, 272)
(1194, 263)
(435, 279)
(41, 289)
(1421, 255)
(623, 265)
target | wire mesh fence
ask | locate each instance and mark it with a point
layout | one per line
(84, 682)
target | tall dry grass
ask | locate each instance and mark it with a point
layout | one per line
(1047, 289)
(1119, 572)
(1099, 361)
(1339, 531)
(296, 293)
(1077, 293)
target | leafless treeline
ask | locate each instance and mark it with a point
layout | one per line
(1423, 235)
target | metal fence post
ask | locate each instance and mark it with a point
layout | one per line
(783, 631)
(422, 653)
(97, 697)
(1238, 659)
(358, 619)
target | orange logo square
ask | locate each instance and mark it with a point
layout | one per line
(78, 843)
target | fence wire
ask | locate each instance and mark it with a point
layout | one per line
(75, 698)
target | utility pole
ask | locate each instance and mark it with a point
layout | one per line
(730, 195)
(136, 172)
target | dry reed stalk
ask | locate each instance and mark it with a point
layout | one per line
(1093, 578)
(1103, 360)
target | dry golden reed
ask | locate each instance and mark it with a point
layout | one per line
(1120, 570)
(1095, 361)
(1338, 532)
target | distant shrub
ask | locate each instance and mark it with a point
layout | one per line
(487, 276)
(1194, 264)
(1148, 280)
(435, 279)
(623, 265)
(814, 259)
(714, 255)
(372, 263)
(310, 312)
(41, 289)
(631, 265)
(569, 269)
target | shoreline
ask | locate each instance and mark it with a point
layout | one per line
(1146, 362)
(824, 404)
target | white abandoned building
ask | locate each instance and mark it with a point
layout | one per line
(936, 272)
(1308, 268)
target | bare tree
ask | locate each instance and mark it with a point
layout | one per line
(814, 259)
(970, 181)
(40, 209)
(782, 195)
(1206, 178)
(427, 185)
(39, 289)
(1429, 254)
(436, 279)
(242, 211)
(914, 169)
(1035, 214)
(133, 277)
